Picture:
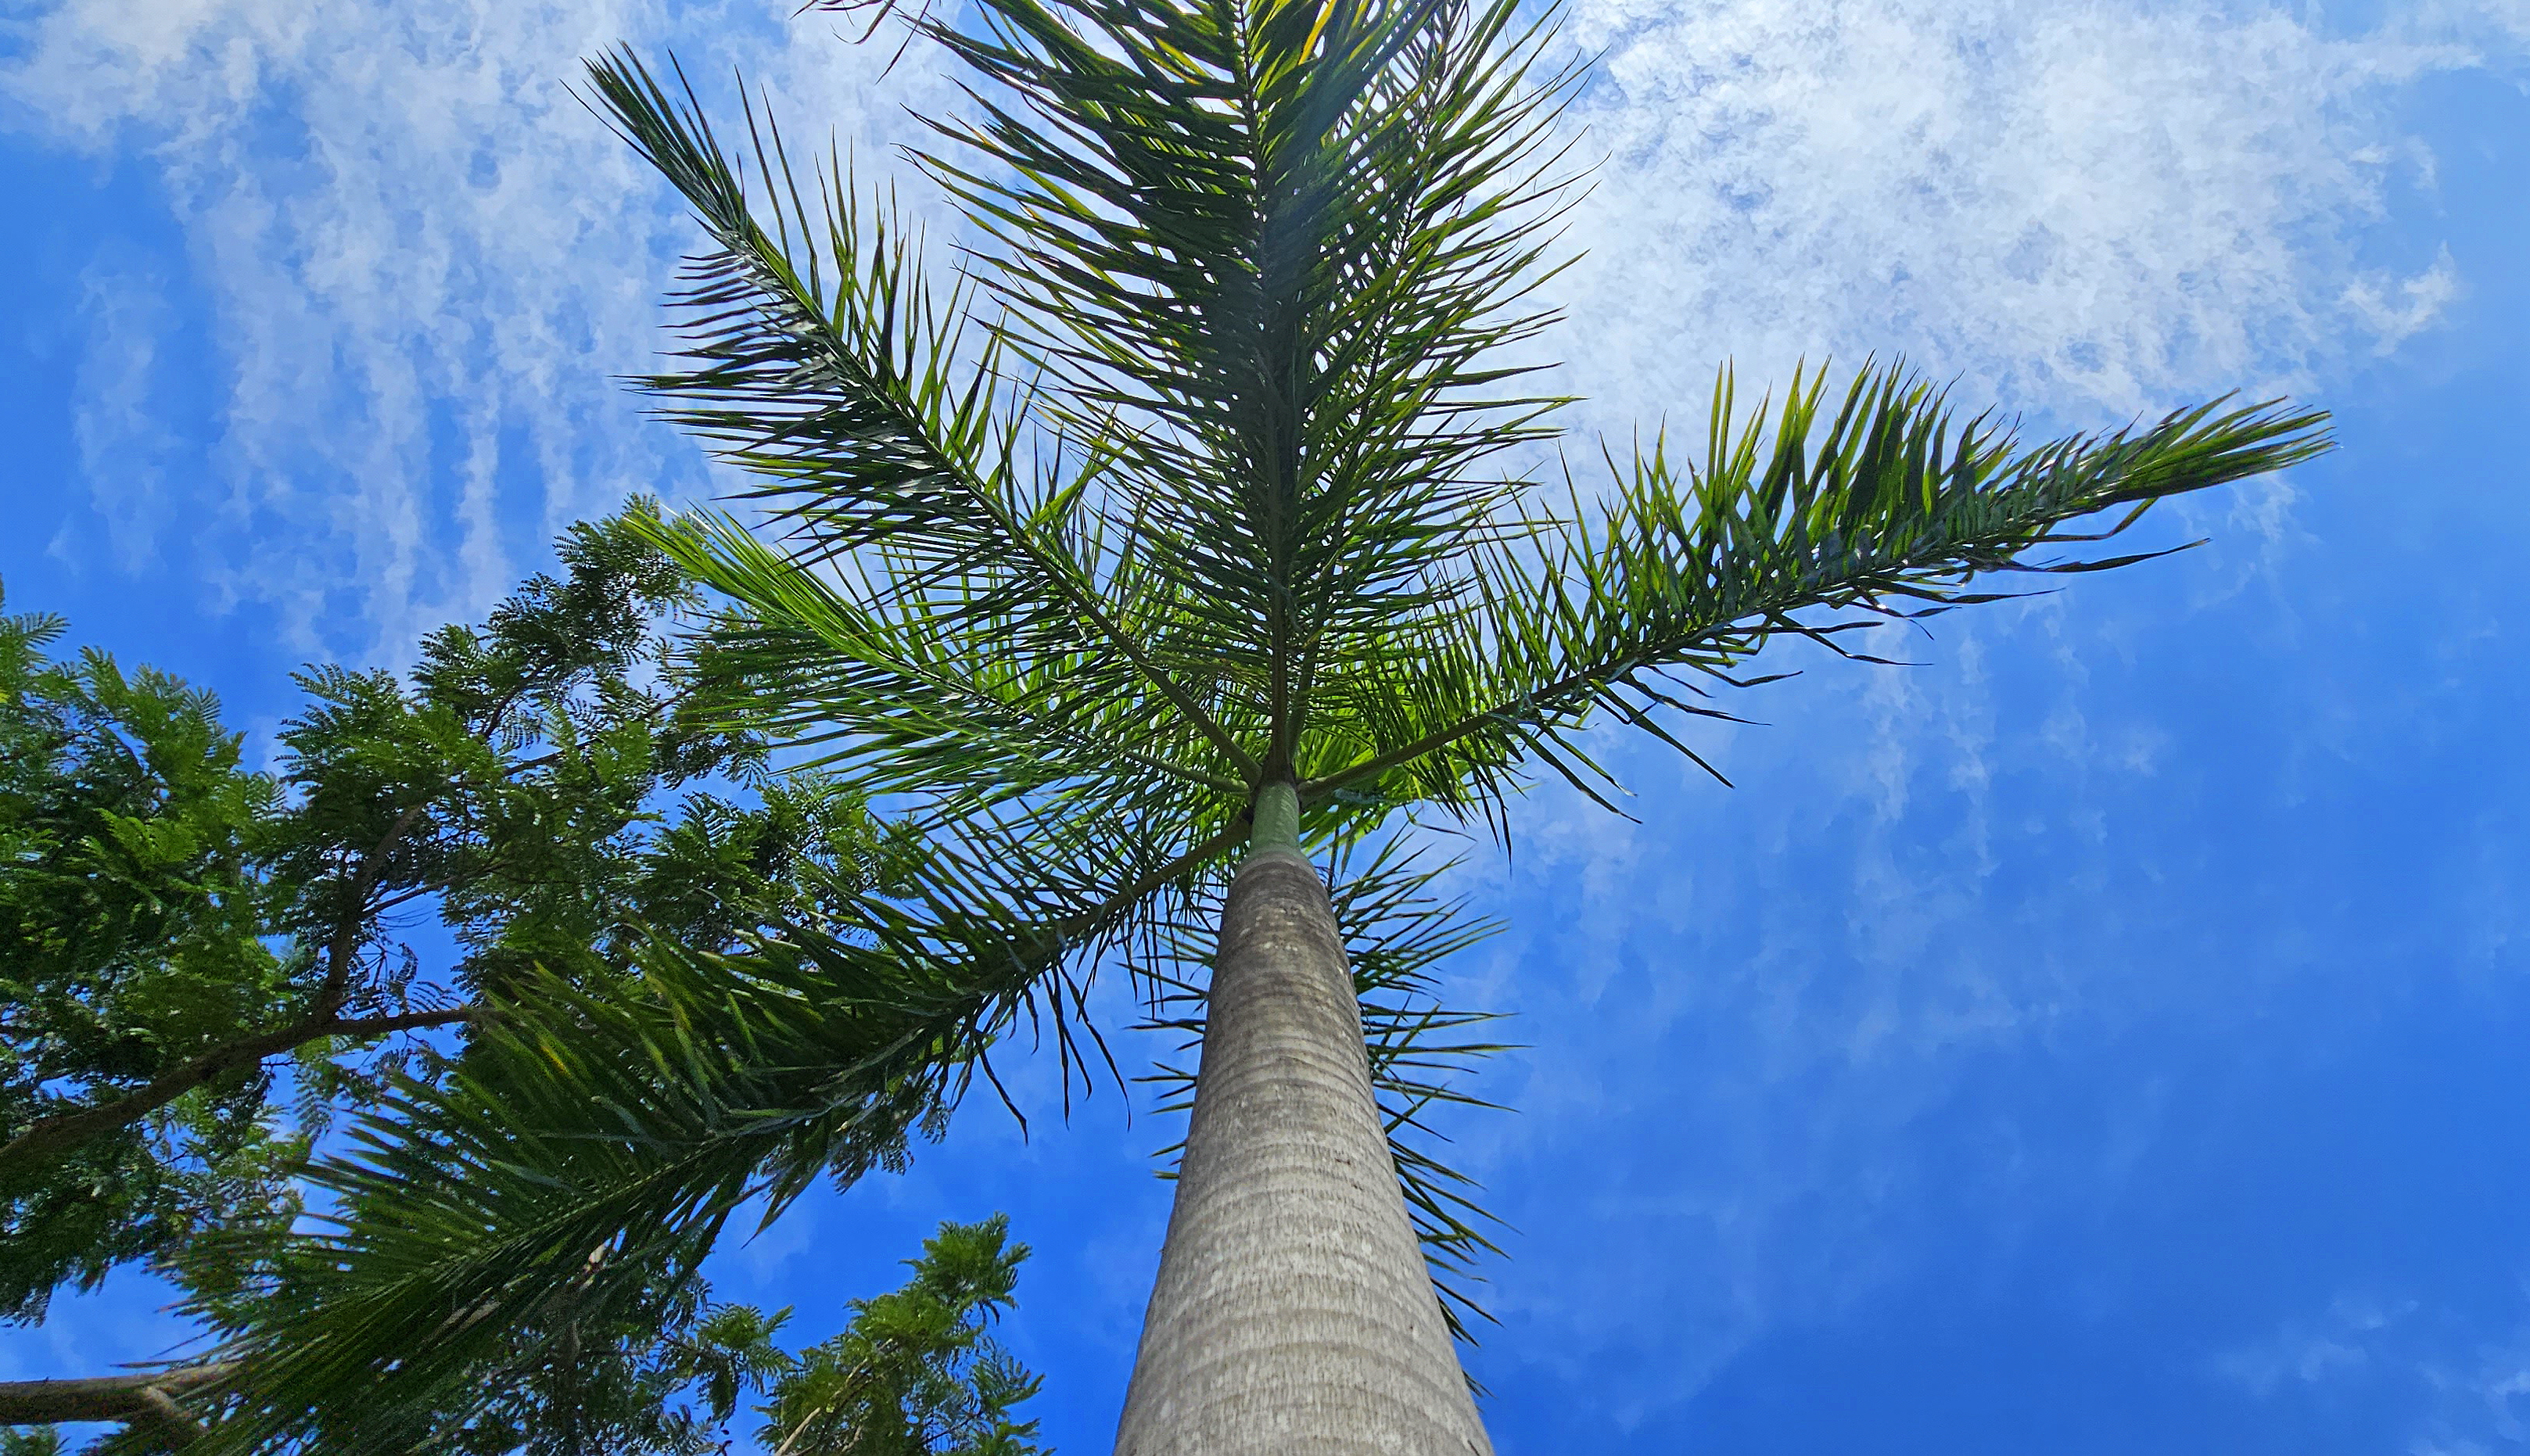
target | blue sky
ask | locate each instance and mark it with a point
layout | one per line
(2104, 1036)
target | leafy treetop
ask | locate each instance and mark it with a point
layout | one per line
(202, 966)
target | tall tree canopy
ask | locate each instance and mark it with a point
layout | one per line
(202, 965)
(1189, 540)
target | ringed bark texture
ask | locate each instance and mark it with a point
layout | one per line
(1294, 1313)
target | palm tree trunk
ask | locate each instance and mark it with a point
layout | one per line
(1293, 1315)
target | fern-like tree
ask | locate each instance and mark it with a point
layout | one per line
(1185, 541)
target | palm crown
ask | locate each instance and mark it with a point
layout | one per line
(1186, 486)
(1192, 511)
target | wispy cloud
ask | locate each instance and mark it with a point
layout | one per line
(2397, 308)
(2469, 1393)
(2090, 209)
(1740, 1011)
(123, 445)
(427, 262)
(2337, 1346)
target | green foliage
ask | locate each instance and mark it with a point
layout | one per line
(172, 910)
(513, 781)
(29, 1440)
(662, 1375)
(1203, 478)
(648, 1367)
(654, 1368)
(916, 1372)
(633, 1119)
(131, 919)
(201, 962)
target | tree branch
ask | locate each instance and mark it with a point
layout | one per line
(346, 940)
(136, 1399)
(48, 1136)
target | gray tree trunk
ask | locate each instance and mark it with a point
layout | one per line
(1293, 1315)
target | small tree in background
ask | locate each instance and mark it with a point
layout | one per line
(916, 1372)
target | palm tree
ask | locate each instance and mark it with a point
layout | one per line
(1181, 543)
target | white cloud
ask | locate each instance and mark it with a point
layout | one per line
(2470, 1393)
(124, 446)
(2092, 208)
(2339, 1346)
(2083, 211)
(2397, 308)
(427, 262)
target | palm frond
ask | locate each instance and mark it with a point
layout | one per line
(592, 1142)
(1798, 523)
(921, 699)
(1266, 249)
(822, 363)
(1182, 489)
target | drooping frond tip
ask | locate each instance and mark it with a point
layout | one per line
(1800, 521)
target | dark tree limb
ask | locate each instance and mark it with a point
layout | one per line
(148, 1400)
(46, 1137)
(344, 944)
